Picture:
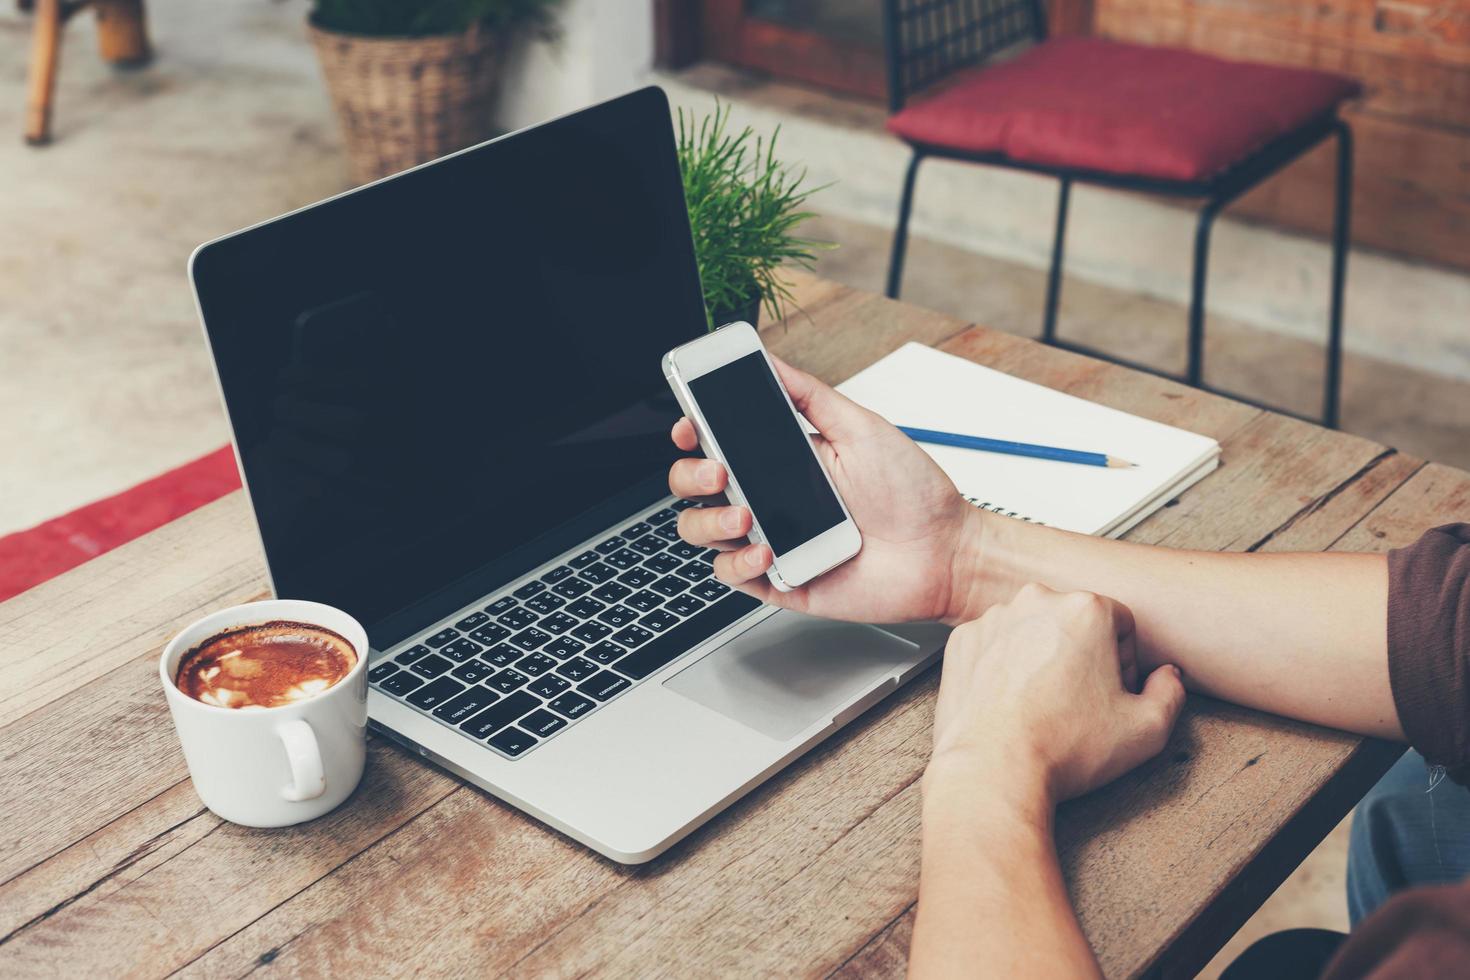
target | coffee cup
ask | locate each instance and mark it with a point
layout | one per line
(273, 766)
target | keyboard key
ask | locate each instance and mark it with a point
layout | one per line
(670, 585)
(603, 685)
(535, 665)
(637, 530)
(411, 654)
(683, 504)
(623, 558)
(710, 590)
(591, 632)
(490, 634)
(507, 680)
(500, 714)
(563, 647)
(649, 544)
(500, 605)
(637, 577)
(659, 621)
(572, 587)
(606, 652)
(529, 589)
(473, 671)
(546, 602)
(557, 623)
(669, 532)
(502, 655)
(530, 639)
(682, 638)
(583, 560)
(636, 636)
(461, 649)
(612, 591)
(548, 685)
(471, 621)
(576, 669)
(382, 670)
(600, 573)
(696, 571)
(518, 618)
(710, 554)
(557, 574)
(685, 550)
(618, 616)
(571, 704)
(432, 695)
(586, 608)
(684, 605)
(512, 741)
(644, 601)
(663, 516)
(458, 709)
(663, 564)
(610, 545)
(431, 666)
(403, 683)
(543, 723)
(442, 637)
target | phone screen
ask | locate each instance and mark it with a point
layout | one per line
(768, 451)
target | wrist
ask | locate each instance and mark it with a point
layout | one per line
(986, 788)
(967, 562)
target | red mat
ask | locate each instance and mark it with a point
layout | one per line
(28, 558)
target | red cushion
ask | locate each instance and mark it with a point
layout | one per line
(1093, 104)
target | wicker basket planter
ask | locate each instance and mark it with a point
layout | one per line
(403, 101)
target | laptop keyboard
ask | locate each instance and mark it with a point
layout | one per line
(528, 664)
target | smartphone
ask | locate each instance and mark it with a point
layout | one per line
(728, 388)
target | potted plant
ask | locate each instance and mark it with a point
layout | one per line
(744, 207)
(412, 80)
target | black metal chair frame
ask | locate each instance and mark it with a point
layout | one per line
(1015, 21)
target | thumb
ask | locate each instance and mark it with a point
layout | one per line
(834, 415)
(1159, 703)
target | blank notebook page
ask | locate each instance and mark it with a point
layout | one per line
(921, 387)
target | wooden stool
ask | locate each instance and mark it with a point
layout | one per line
(122, 39)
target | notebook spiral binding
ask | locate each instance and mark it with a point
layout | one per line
(998, 509)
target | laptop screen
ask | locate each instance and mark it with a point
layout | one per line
(438, 381)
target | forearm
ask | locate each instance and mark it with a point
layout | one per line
(991, 897)
(1301, 635)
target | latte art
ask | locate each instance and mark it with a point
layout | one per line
(265, 666)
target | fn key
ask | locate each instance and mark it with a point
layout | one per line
(512, 741)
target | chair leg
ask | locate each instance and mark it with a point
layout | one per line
(1332, 383)
(1054, 275)
(1195, 373)
(901, 233)
(122, 32)
(41, 85)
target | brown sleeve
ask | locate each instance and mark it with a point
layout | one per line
(1429, 645)
(1423, 932)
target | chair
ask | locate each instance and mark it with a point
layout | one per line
(122, 39)
(1089, 110)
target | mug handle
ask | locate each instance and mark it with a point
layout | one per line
(305, 757)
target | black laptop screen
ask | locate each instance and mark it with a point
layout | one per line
(439, 380)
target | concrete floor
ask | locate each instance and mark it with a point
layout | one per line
(104, 379)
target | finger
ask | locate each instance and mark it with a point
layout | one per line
(742, 565)
(684, 435)
(710, 525)
(696, 477)
(1122, 618)
(1128, 662)
(1159, 704)
(835, 415)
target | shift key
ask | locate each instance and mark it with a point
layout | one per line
(500, 714)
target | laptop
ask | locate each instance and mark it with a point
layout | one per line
(447, 405)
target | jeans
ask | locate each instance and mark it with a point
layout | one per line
(1413, 828)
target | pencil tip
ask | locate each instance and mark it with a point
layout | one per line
(1120, 464)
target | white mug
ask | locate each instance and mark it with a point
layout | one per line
(273, 767)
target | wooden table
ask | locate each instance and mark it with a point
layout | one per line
(111, 865)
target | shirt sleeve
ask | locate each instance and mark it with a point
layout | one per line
(1429, 645)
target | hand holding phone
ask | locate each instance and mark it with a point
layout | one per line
(728, 388)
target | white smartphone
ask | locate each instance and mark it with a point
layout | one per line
(728, 388)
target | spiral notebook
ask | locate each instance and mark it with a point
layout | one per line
(925, 388)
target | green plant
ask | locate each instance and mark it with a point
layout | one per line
(419, 18)
(743, 208)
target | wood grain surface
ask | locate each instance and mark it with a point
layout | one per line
(109, 865)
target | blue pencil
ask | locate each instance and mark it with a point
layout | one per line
(1013, 448)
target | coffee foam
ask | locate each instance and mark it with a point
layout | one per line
(265, 666)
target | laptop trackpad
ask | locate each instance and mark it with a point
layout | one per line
(791, 671)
